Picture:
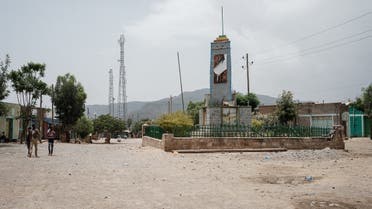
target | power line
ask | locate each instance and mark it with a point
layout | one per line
(317, 33)
(316, 51)
(316, 47)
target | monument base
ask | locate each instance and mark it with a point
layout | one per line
(232, 115)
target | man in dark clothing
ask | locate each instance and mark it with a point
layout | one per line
(28, 141)
(51, 135)
(3, 138)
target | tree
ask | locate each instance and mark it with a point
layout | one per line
(107, 123)
(137, 126)
(193, 110)
(286, 108)
(367, 103)
(129, 122)
(4, 92)
(358, 104)
(27, 83)
(83, 127)
(69, 99)
(249, 99)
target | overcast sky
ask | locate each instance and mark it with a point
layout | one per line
(80, 37)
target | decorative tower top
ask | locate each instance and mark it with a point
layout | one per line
(222, 37)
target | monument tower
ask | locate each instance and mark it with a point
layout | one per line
(220, 105)
(220, 69)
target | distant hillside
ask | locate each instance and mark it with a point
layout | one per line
(103, 109)
(152, 110)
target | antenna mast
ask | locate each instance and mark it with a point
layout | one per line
(223, 32)
(122, 97)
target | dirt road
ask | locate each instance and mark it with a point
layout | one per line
(126, 175)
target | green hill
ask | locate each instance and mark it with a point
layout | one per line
(139, 110)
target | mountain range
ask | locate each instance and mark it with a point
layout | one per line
(153, 109)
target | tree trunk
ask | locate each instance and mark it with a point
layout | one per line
(108, 138)
(68, 137)
(65, 134)
(23, 136)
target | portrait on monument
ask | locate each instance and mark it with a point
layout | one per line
(220, 68)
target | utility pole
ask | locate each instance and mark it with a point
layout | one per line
(247, 68)
(41, 115)
(246, 58)
(113, 107)
(170, 104)
(179, 71)
(52, 104)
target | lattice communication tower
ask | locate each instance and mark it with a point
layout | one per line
(122, 97)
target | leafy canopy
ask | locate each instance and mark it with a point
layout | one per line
(108, 123)
(193, 110)
(358, 104)
(69, 99)
(137, 126)
(364, 102)
(367, 100)
(83, 127)
(249, 99)
(4, 92)
(27, 83)
(286, 108)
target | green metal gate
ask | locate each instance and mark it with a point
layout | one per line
(356, 122)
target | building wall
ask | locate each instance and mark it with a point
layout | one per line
(9, 123)
(311, 114)
(152, 142)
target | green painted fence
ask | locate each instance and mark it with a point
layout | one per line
(240, 131)
(265, 131)
(154, 131)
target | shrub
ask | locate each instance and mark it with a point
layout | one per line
(177, 123)
(84, 127)
(257, 124)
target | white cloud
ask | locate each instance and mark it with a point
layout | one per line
(175, 21)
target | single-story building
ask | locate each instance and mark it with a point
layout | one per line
(9, 123)
(12, 125)
(313, 114)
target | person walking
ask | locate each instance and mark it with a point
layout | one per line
(3, 138)
(51, 135)
(28, 141)
(35, 138)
